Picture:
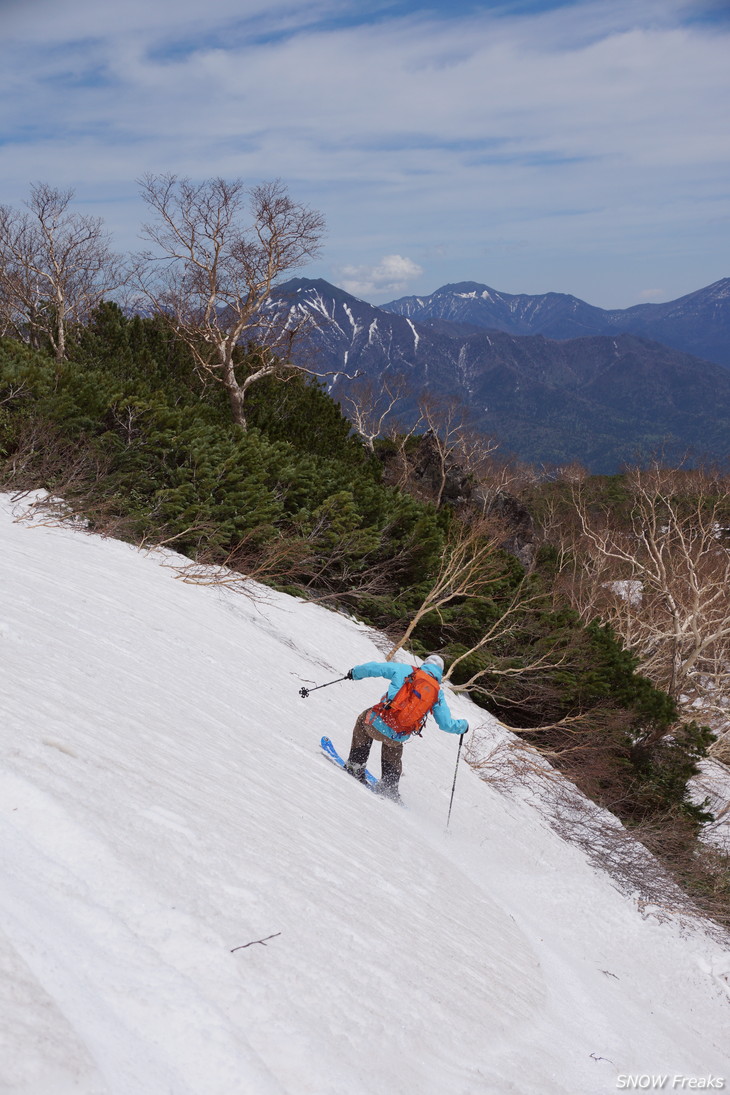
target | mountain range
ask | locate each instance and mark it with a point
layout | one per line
(698, 323)
(599, 398)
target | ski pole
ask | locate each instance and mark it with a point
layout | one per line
(304, 692)
(456, 770)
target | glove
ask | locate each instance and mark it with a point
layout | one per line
(349, 676)
(467, 729)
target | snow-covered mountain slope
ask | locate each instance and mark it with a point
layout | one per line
(163, 801)
(698, 323)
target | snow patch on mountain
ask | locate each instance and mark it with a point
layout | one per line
(353, 321)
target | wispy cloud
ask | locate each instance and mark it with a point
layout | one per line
(651, 294)
(596, 131)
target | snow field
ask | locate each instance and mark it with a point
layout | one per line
(163, 801)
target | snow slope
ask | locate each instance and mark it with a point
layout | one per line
(163, 801)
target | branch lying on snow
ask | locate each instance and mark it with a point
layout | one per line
(253, 941)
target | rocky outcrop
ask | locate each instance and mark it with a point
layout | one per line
(439, 475)
(517, 520)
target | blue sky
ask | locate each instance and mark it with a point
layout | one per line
(580, 147)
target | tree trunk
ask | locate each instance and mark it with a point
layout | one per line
(33, 330)
(235, 397)
(405, 636)
(60, 339)
(236, 394)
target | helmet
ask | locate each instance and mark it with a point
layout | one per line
(436, 660)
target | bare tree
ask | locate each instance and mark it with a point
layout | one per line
(453, 461)
(662, 579)
(455, 445)
(56, 266)
(213, 272)
(468, 567)
(531, 666)
(370, 407)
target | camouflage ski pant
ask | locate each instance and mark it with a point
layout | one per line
(363, 737)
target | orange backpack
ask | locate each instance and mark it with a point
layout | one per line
(406, 712)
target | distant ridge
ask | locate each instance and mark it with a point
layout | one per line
(698, 323)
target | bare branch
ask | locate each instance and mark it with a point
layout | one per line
(253, 942)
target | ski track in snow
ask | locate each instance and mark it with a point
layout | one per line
(163, 801)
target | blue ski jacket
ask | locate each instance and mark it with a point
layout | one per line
(396, 673)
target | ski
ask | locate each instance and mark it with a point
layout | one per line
(331, 753)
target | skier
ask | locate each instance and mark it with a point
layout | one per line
(401, 713)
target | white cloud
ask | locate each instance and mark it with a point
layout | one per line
(391, 275)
